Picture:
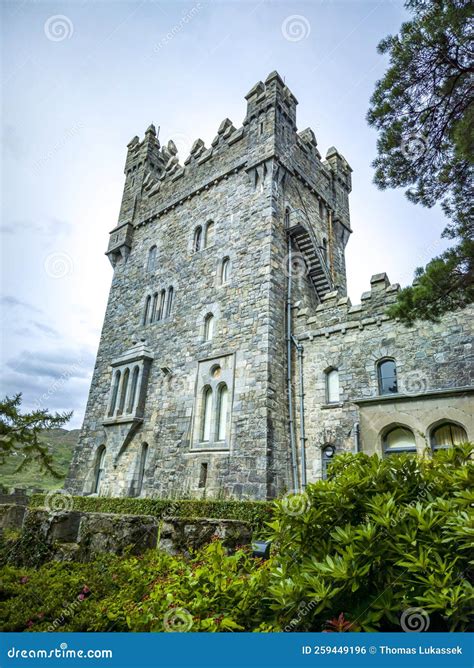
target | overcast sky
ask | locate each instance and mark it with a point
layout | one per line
(80, 79)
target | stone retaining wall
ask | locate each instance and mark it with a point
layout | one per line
(81, 536)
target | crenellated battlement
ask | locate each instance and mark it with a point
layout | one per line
(336, 313)
(157, 178)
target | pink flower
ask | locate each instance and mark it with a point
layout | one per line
(81, 597)
(24, 580)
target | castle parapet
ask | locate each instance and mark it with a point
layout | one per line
(336, 313)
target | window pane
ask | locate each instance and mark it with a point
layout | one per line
(197, 239)
(99, 470)
(225, 271)
(133, 390)
(387, 373)
(206, 415)
(202, 475)
(162, 304)
(169, 303)
(209, 234)
(400, 439)
(447, 435)
(113, 401)
(147, 310)
(153, 308)
(123, 391)
(222, 416)
(151, 258)
(141, 471)
(332, 379)
(209, 328)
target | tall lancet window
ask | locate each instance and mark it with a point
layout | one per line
(206, 417)
(222, 405)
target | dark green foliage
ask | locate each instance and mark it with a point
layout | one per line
(446, 284)
(377, 538)
(156, 592)
(356, 552)
(424, 111)
(254, 512)
(21, 432)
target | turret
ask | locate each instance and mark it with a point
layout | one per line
(271, 115)
(144, 162)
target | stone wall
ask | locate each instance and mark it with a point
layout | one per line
(434, 371)
(82, 536)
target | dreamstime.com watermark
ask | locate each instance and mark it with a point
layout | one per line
(58, 265)
(177, 620)
(42, 401)
(178, 27)
(58, 27)
(295, 28)
(61, 652)
(69, 134)
(58, 500)
(69, 610)
(304, 609)
(415, 620)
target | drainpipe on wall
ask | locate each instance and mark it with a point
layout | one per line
(331, 245)
(294, 466)
(300, 349)
(356, 437)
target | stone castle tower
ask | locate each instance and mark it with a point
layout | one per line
(221, 266)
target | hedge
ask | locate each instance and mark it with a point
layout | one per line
(257, 513)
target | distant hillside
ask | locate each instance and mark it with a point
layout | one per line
(61, 442)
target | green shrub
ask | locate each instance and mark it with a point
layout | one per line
(257, 513)
(376, 539)
(155, 592)
(356, 552)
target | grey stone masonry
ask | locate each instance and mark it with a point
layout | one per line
(189, 394)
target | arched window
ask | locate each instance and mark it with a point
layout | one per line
(161, 308)
(446, 435)
(169, 302)
(153, 308)
(398, 440)
(197, 239)
(141, 468)
(225, 271)
(133, 390)
(209, 240)
(115, 389)
(332, 386)
(147, 309)
(287, 218)
(387, 376)
(99, 469)
(203, 475)
(221, 421)
(324, 249)
(123, 391)
(206, 416)
(151, 265)
(208, 327)
(328, 452)
(321, 209)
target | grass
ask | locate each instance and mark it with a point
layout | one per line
(61, 443)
